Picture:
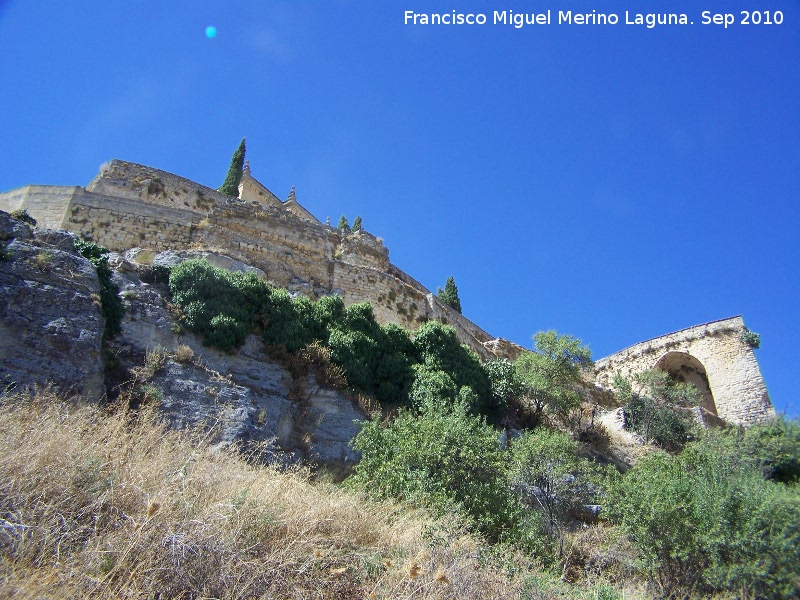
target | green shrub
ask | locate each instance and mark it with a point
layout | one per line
(705, 522)
(438, 349)
(112, 306)
(751, 338)
(774, 447)
(505, 384)
(220, 305)
(444, 459)
(548, 472)
(549, 377)
(655, 407)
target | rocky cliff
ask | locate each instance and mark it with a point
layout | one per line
(51, 330)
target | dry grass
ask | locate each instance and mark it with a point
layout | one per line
(183, 354)
(111, 504)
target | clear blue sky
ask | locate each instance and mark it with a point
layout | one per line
(611, 182)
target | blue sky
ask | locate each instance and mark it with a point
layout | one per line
(612, 182)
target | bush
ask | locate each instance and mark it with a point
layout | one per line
(438, 349)
(548, 472)
(505, 384)
(549, 377)
(751, 338)
(656, 407)
(706, 523)
(444, 459)
(111, 304)
(220, 305)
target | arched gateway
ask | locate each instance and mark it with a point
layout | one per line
(711, 356)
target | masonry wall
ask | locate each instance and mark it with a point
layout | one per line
(129, 205)
(120, 179)
(120, 224)
(734, 378)
(47, 204)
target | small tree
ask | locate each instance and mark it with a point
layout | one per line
(343, 225)
(449, 295)
(357, 224)
(234, 176)
(551, 375)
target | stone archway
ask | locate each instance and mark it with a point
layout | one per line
(685, 368)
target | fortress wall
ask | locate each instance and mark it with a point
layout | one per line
(46, 203)
(735, 381)
(273, 240)
(138, 182)
(392, 300)
(120, 224)
(363, 249)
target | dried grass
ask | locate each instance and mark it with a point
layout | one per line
(111, 504)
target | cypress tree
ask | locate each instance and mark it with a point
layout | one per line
(357, 224)
(343, 224)
(449, 295)
(234, 176)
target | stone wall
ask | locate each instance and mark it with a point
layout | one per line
(713, 357)
(47, 204)
(129, 205)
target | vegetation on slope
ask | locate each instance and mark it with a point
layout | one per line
(112, 504)
(719, 517)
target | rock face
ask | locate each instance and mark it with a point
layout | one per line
(51, 334)
(50, 320)
(245, 397)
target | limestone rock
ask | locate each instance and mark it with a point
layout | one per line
(50, 320)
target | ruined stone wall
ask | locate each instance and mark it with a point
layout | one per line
(120, 179)
(47, 204)
(120, 224)
(129, 205)
(725, 362)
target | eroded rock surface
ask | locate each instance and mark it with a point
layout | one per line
(50, 321)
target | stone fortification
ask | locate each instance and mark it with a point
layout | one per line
(713, 357)
(129, 205)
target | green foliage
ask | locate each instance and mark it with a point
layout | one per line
(751, 338)
(23, 216)
(775, 448)
(220, 305)
(772, 447)
(438, 349)
(377, 360)
(343, 225)
(506, 386)
(705, 522)
(230, 186)
(112, 307)
(548, 472)
(5, 253)
(444, 459)
(449, 295)
(550, 375)
(654, 407)
(357, 224)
